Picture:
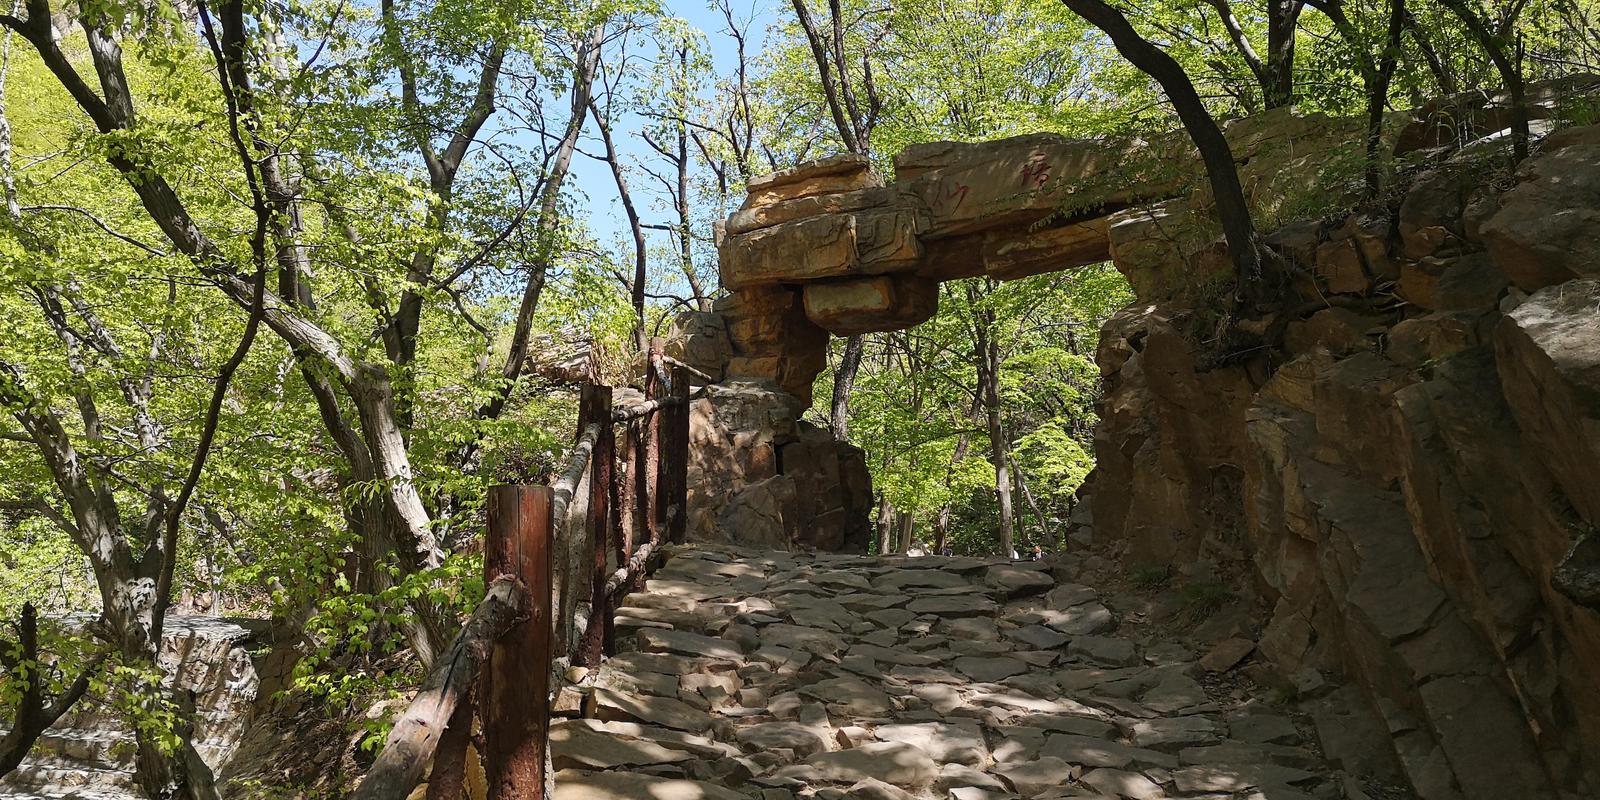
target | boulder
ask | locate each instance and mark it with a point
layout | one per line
(755, 514)
(700, 339)
(1548, 227)
(1548, 353)
(863, 305)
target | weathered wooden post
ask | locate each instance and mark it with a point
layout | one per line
(448, 781)
(515, 697)
(624, 500)
(654, 507)
(677, 459)
(625, 530)
(595, 406)
(618, 538)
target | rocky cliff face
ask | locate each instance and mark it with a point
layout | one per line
(1407, 466)
(89, 754)
(1397, 445)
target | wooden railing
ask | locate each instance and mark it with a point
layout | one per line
(636, 463)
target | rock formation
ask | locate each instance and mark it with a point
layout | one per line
(761, 477)
(1410, 475)
(86, 754)
(1404, 463)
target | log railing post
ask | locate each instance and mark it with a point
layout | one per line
(654, 389)
(448, 780)
(515, 706)
(677, 458)
(627, 527)
(595, 406)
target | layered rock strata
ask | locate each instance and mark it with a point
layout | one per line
(88, 754)
(1410, 474)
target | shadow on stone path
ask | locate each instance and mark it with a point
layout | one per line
(781, 675)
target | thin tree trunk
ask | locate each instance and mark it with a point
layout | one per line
(1283, 17)
(640, 255)
(844, 381)
(987, 353)
(884, 524)
(1378, 96)
(35, 712)
(681, 198)
(1045, 530)
(908, 522)
(1223, 174)
(8, 183)
(941, 529)
(1436, 66)
(1505, 62)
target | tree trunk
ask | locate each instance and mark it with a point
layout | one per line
(987, 353)
(884, 525)
(941, 530)
(681, 198)
(1223, 174)
(1045, 531)
(908, 524)
(640, 253)
(1505, 62)
(33, 714)
(844, 381)
(1002, 482)
(1378, 96)
(1283, 17)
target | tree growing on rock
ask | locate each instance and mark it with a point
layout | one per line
(1238, 228)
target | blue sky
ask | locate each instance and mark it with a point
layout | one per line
(593, 178)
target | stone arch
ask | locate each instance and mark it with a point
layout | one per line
(828, 247)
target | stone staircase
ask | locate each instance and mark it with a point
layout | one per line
(777, 676)
(88, 755)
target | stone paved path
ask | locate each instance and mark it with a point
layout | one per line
(779, 676)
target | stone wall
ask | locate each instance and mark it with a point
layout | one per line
(1408, 468)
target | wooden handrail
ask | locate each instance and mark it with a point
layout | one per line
(416, 734)
(577, 464)
(630, 413)
(636, 564)
(637, 502)
(705, 378)
(634, 412)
